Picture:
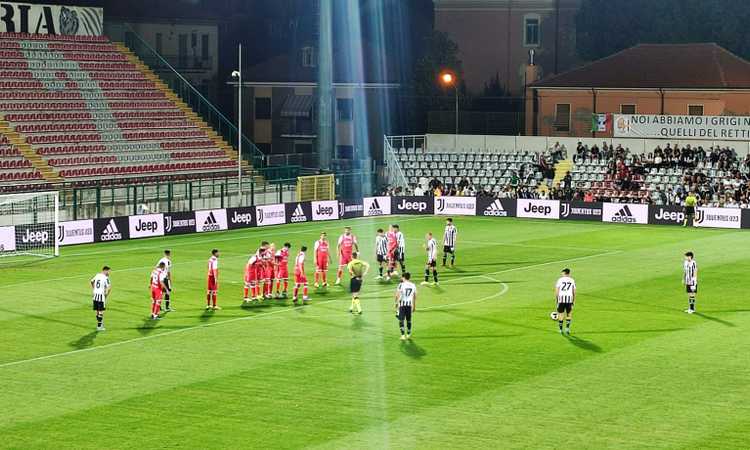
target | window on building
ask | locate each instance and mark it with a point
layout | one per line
(345, 152)
(562, 117)
(695, 110)
(345, 109)
(531, 30)
(263, 108)
(627, 109)
(159, 42)
(308, 57)
(204, 46)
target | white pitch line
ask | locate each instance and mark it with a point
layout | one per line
(181, 330)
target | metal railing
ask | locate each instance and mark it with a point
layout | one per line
(193, 98)
(414, 141)
(394, 173)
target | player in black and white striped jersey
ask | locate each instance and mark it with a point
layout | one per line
(449, 241)
(101, 287)
(431, 264)
(381, 252)
(406, 304)
(690, 280)
(565, 297)
(401, 249)
(167, 260)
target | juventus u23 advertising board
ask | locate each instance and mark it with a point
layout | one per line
(13, 238)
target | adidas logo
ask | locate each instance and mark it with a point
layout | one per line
(375, 209)
(496, 209)
(298, 215)
(111, 233)
(624, 215)
(210, 223)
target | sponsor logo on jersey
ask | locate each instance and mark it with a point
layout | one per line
(111, 233)
(624, 215)
(298, 215)
(35, 237)
(496, 209)
(411, 206)
(210, 224)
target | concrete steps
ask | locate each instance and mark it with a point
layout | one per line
(19, 141)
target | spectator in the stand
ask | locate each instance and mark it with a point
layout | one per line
(658, 198)
(418, 191)
(463, 184)
(588, 197)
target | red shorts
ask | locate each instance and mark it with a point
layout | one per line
(282, 273)
(213, 284)
(345, 258)
(268, 272)
(251, 275)
(156, 294)
(321, 263)
(300, 277)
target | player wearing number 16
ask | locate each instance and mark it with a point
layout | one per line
(101, 288)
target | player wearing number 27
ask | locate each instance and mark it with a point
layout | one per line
(565, 296)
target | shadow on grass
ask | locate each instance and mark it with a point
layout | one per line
(44, 318)
(584, 344)
(715, 319)
(412, 349)
(655, 330)
(206, 315)
(470, 336)
(147, 326)
(85, 341)
(358, 323)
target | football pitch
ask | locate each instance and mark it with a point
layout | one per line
(486, 367)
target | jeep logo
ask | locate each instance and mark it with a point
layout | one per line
(146, 226)
(675, 216)
(246, 218)
(324, 210)
(412, 206)
(36, 237)
(534, 209)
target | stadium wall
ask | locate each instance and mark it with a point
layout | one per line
(203, 221)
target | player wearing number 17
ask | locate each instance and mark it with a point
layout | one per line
(565, 296)
(406, 304)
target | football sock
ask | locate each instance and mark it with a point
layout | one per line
(560, 324)
(286, 286)
(246, 291)
(296, 290)
(214, 298)
(427, 275)
(435, 275)
(325, 276)
(358, 305)
(339, 273)
(401, 326)
(208, 299)
(567, 324)
(304, 290)
(445, 258)
(380, 270)
(99, 320)
(453, 259)
(168, 303)
(351, 308)
(408, 326)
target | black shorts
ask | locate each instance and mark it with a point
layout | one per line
(99, 305)
(400, 256)
(690, 210)
(432, 263)
(355, 284)
(448, 249)
(404, 313)
(564, 308)
(691, 288)
(168, 284)
(382, 258)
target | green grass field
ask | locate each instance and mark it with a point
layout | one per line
(486, 367)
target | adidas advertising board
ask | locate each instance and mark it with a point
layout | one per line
(665, 215)
(580, 211)
(240, 218)
(7, 239)
(496, 207)
(412, 205)
(298, 212)
(325, 210)
(376, 206)
(111, 229)
(455, 206)
(625, 213)
(538, 209)
(350, 209)
(718, 217)
(75, 232)
(210, 220)
(270, 215)
(179, 223)
(147, 225)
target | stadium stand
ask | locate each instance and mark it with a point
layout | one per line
(85, 109)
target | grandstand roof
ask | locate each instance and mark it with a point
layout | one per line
(674, 66)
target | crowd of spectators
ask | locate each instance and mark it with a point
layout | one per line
(716, 175)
